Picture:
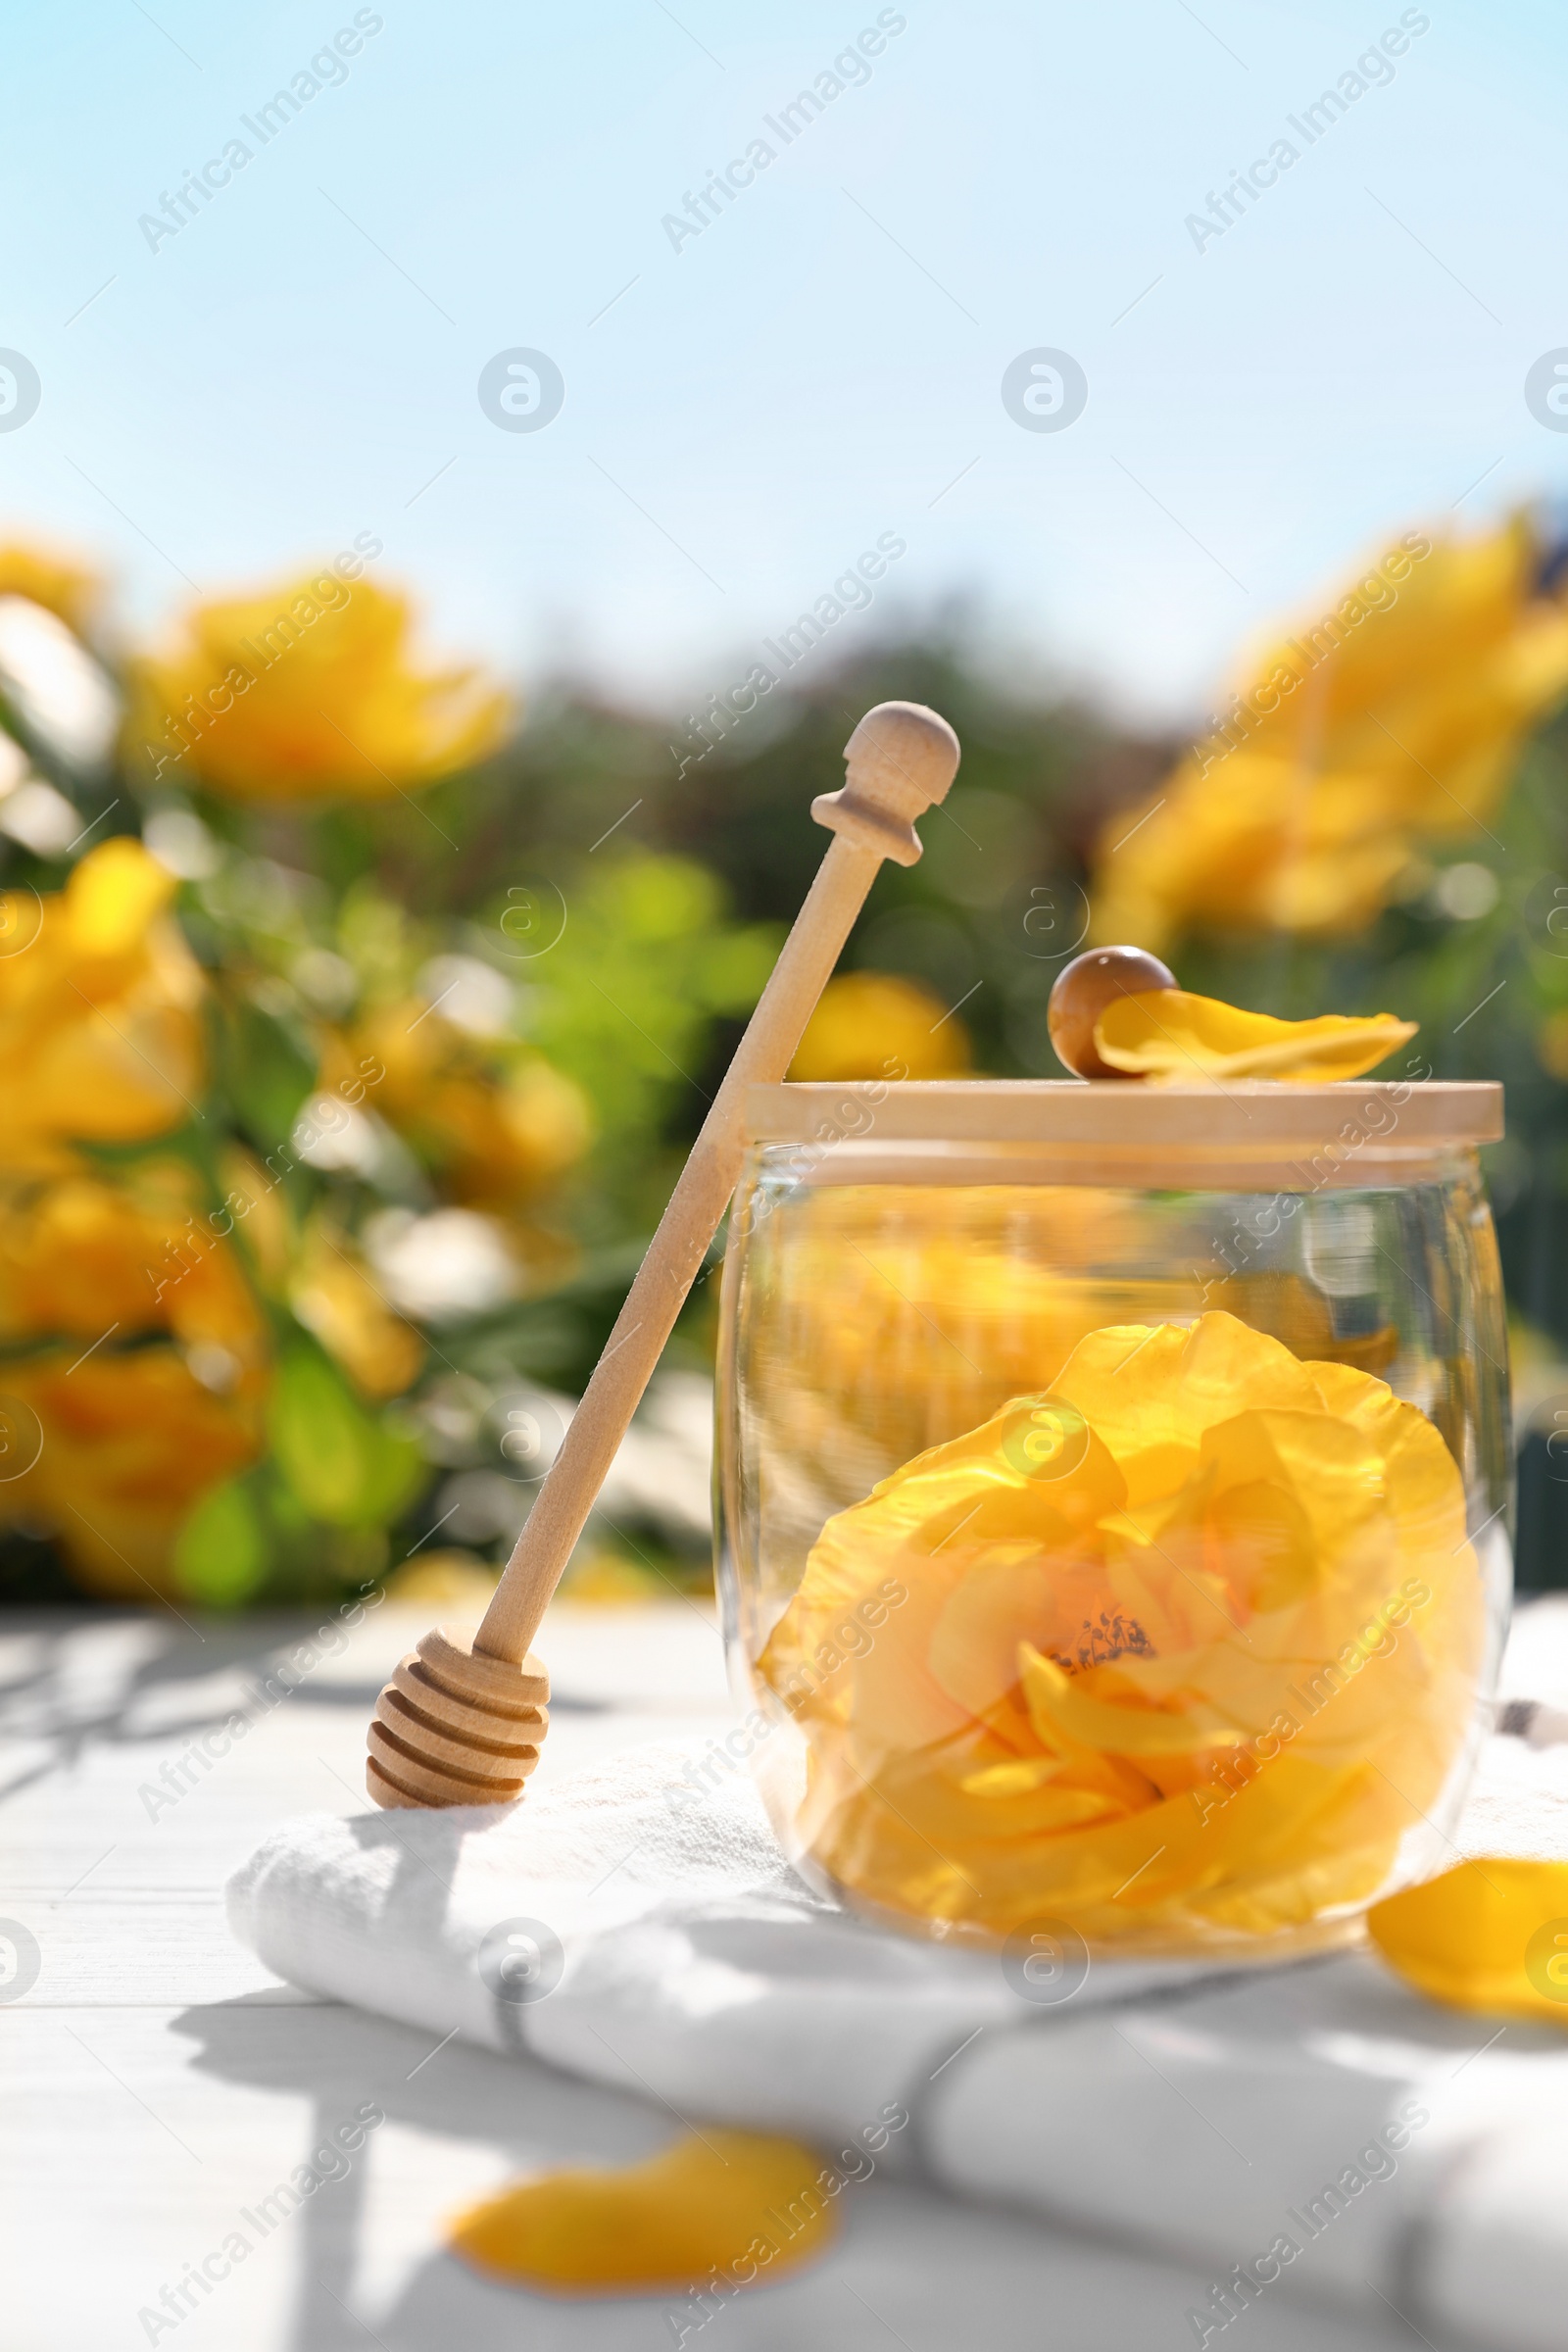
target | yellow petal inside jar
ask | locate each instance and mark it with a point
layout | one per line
(1184, 1648)
(1171, 1036)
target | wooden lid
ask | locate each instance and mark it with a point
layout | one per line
(998, 1130)
(1114, 1111)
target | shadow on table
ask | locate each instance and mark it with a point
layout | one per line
(143, 1655)
(344, 2061)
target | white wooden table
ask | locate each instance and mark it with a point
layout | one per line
(158, 2084)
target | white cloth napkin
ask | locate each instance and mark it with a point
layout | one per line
(1318, 2125)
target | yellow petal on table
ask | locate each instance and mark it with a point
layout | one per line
(1491, 1934)
(736, 2202)
(1166, 1033)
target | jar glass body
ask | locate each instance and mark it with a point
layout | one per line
(1126, 1561)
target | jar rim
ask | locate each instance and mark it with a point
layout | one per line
(1427, 1113)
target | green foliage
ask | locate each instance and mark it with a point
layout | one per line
(624, 1000)
(344, 1466)
(221, 1557)
(268, 1070)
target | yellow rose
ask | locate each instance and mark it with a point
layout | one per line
(877, 1025)
(100, 1031)
(80, 1255)
(307, 693)
(499, 1124)
(1552, 1044)
(1397, 717)
(334, 1294)
(69, 590)
(1184, 1646)
(109, 1433)
(113, 1454)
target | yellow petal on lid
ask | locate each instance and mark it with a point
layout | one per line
(1491, 1934)
(1169, 1034)
(738, 2202)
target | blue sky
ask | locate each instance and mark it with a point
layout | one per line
(821, 365)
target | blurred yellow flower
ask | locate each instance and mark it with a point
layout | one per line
(1552, 1044)
(334, 1294)
(499, 1122)
(69, 590)
(261, 1213)
(81, 1255)
(879, 1025)
(1183, 1644)
(449, 1583)
(1396, 717)
(107, 1432)
(309, 692)
(100, 1029)
(116, 1451)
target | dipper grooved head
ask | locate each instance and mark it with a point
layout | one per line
(456, 1727)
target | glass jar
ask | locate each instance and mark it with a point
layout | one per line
(1113, 1485)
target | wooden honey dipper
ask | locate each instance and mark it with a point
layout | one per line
(461, 1721)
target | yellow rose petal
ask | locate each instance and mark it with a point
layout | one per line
(1056, 1701)
(1178, 1650)
(747, 2206)
(1491, 1934)
(101, 1030)
(1169, 1033)
(46, 576)
(113, 896)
